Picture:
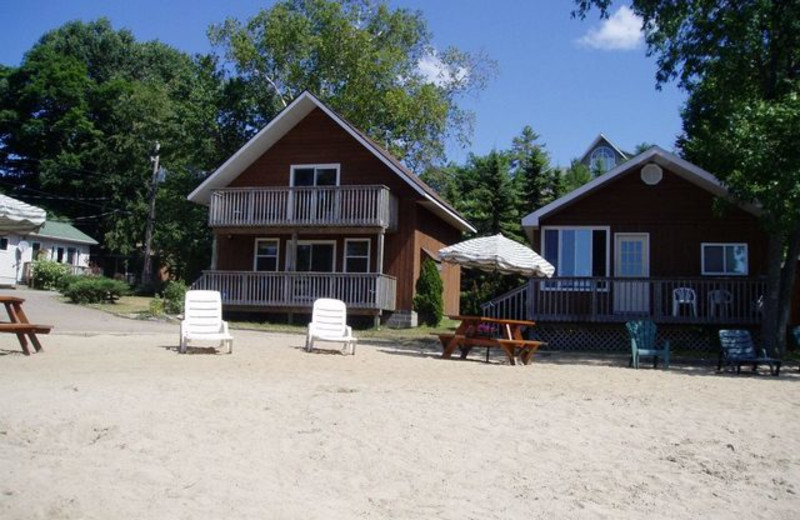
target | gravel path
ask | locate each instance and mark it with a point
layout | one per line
(44, 307)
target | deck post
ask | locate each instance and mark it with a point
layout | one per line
(214, 252)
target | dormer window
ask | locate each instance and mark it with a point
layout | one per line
(315, 175)
(603, 157)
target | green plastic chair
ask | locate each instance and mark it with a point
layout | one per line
(643, 343)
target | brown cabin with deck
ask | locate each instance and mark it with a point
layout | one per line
(312, 208)
(654, 238)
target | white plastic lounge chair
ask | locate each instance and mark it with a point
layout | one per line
(203, 320)
(329, 323)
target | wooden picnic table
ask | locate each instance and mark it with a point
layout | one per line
(511, 341)
(18, 324)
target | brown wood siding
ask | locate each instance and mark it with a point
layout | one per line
(317, 139)
(432, 235)
(677, 214)
(399, 257)
(236, 253)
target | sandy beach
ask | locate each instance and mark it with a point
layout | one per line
(121, 426)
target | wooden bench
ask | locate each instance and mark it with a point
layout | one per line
(524, 349)
(20, 325)
(26, 329)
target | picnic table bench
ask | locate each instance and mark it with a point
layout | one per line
(511, 343)
(18, 324)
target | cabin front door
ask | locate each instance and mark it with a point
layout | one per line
(631, 260)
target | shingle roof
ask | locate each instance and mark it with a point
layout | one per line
(64, 231)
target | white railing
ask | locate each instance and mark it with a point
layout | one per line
(512, 305)
(344, 206)
(300, 289)
(606, 299)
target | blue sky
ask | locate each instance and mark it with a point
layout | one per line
(568, 79)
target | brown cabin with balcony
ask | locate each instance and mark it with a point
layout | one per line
(654, 238)
(310, 208)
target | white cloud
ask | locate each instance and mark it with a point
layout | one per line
(621, 32)
(434, 70)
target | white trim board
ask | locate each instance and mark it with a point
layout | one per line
(281, 124)
(657, 155)
(598, 140)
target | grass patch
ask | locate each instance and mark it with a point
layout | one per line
(139, 307)
(128, 306)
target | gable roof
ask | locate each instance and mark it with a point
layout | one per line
(599, 139)
(656, 155)
(65, 232)
(281, 124)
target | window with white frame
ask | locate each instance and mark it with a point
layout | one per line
(317, 256)
(604, 158)
(724, 259)
(315, 175)
(356, 255)
(576, 251)
(266, 254)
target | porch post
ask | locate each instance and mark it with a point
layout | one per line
(379, 262)
(291, 267)
(214, 253)
(292, 264)
(379, 270)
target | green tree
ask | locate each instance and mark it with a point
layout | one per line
(738, 62)
(373, 64)
(537, 181)
(575, 176)
(78, 120)
(642, 147)
(429, 300)
(490, 195)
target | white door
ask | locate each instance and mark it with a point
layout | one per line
(631, 260)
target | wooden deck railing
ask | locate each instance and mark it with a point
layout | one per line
(341, 206)
(664, 300)
(300, 289)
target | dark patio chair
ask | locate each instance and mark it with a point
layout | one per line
(737, 349)
(643, 343)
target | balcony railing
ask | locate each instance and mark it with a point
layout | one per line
(664, 300)
(341, 206)
(370, 291)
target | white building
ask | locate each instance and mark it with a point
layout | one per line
(56, 241)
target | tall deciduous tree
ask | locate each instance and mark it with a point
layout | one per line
(78, 120)
(373, 64)
(740, 63)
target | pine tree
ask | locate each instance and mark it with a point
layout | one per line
(429, 301)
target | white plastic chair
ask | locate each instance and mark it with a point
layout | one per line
(202, 320)
(720, 302)
(329, 323)
(684, 296)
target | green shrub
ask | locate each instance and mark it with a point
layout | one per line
(429, 302)
(49, 275)
(156, 307)
(174, 294)
(95, 289)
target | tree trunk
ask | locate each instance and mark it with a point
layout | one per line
(769, 319)
(788, 274)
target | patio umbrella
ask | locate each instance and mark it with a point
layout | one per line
(498, 254)
(18, 217)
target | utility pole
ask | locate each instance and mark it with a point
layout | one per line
(147, 267)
